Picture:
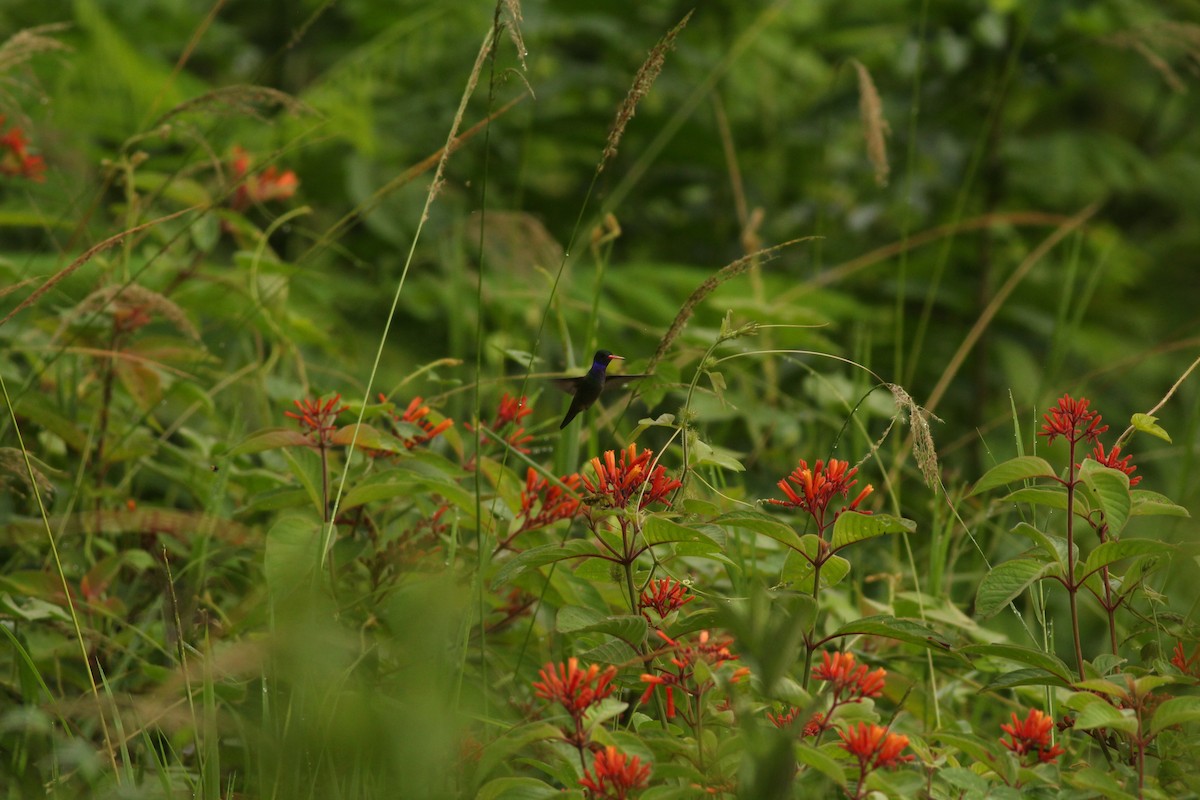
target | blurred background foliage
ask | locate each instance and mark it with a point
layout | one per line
(1005, 119)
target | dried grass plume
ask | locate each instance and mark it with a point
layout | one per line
(642, 82)
(875, 127)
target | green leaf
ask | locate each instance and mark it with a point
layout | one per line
(306, 467)
(762, 523)
(1111, 488)
(1098, 782)
(384, 487)
(368, 438)
(546, 554)
(1051, 498)
(703, 453)
(1148, 424)
(1024, 677)
(1176, 711)
(798, 572)
(513, 741)
(658, 530)
(516, 789)
(1021, 655)
(1111, 552)
(1147, 503)
(575, 619)
(1020, 468)
(1102, 715)
(292, 554)
(269, 439)
(1055, 548)
(851, 527)
(821, 762)
(1004, 583)
(978, 750)
(902, 630)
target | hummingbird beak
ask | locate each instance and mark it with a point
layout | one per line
(616, 358)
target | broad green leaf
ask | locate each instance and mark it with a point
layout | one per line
(1102, 715)
(977, 750)
(1098, 782)
(614, 651)
(574, 619)
(1111, 489)
(1017, 469)
(1101, 685)
(902, 630)
(821, 762)
(851, 527)
(1148, 424)
(270, 439)
(368, 438)
(1050, 498)
(306, 467)
(292, 554)
(1021, 655)
(1176, 711)
(517, 789)
(1024, 677)
(513, 741)
(540, 556)
(1111, 552)
(1147, 503)
(761, 523)
(1005, 582)
(658, 530)
(798, 572)
(1055, 548)
(703, 453)
(394, 484)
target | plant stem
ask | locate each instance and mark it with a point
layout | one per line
(1072, 586)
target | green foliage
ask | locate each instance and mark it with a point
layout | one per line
(218, 579)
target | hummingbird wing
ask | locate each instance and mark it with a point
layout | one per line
(571, 385)
(617, 381)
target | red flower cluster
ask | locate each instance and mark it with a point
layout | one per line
(317, 417)
(1188, 666)
(15, 159)
(664, 596)
(1031, 735)
(850, 682)
(1111, 459)
(260, 187)
(510, 412)
(1071, 419)
(415, 414)
(616, 775)
(684, 658)
(873, 746)
(816, 723)
(620, 483)
(576, 690)
(818, 486)
(551, 501)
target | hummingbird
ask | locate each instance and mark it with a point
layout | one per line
(587, 388)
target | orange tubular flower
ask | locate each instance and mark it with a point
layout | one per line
(576, 689)
(1071, 419)
(415, 415)
(269, 184)
(664, 596)
(550, 500)
(1188, 666)
(15, 159)
(1031, 735)
(317, 417)
(815, 488)
(616, 775)
(850, 682)
(618, 483)
(874, 746)
(1111, 459)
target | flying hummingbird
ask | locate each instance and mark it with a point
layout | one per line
(587, 388)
